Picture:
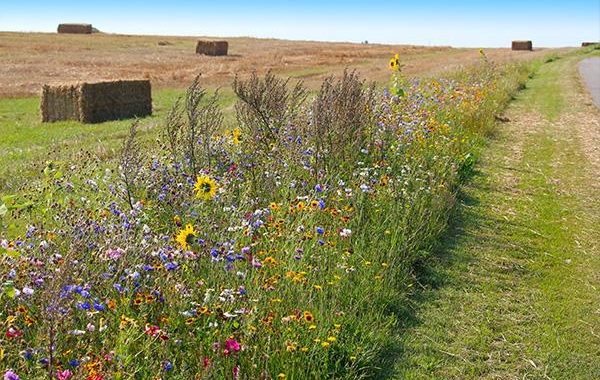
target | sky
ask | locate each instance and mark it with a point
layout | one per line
(458, 23)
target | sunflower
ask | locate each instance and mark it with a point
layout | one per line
(186, 236)
(395, 63)
(206, 187)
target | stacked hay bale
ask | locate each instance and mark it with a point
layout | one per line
(96, 102)
(213, 48)
(75, 28)
(522, 45)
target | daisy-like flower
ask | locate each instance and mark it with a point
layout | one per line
(308, 316)
(205, 187)
(186, 236)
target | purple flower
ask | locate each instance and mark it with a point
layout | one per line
(10, 375)
(320, 230)
(168, 366)
(171, 266)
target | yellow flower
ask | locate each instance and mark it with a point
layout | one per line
(206, 187)
(395, 63)
(235, 136)
(308, 316)
(325, 344)
(332, 339)
(186, 236)
(270, 261)
(281, 376)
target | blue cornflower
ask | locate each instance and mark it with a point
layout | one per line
(99, 307)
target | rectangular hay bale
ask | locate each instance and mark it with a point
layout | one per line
(213, 48)
(96, 102)
(75, 28)
(522, 45)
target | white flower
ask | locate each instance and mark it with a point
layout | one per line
(27, 290)
(345, 232)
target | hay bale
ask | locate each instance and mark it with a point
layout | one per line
(96, 102)
(75, 28)
(212, 47)
(522, 45)
(60, 103)
(585, 44)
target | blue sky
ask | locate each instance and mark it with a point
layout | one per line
(421, 22)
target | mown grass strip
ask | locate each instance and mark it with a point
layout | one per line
(514, 292)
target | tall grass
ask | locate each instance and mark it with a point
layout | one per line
(279, 248)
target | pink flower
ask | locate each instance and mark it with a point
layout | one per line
(151, 330)
(231, 345)
(114, 254)
(64, 375)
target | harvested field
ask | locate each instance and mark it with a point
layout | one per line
(30, 60)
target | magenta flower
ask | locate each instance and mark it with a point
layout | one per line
(231, 345)
(64, 375)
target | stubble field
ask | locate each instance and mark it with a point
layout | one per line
(30, 60)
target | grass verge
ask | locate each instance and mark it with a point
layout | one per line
(514, 291)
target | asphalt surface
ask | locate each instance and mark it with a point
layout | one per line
(590, 72)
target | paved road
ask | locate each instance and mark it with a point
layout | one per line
(590, 72)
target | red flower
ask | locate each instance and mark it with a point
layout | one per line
(13, 333)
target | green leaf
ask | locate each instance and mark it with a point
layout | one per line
(9, 289)
(10, 253)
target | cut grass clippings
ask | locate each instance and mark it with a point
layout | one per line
(514, 292)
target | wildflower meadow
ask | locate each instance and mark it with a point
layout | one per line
(279, 247)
